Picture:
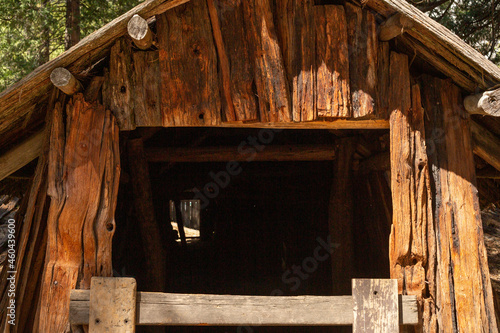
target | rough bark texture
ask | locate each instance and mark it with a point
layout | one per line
(72, 23)
(188, 64)
(83, 177)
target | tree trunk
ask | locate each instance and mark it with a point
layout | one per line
(72, 23)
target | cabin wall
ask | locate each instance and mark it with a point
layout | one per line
(233, 62)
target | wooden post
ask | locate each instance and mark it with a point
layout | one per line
(437, 250)
(138, 30)
(83, 178)
(154, 251)
(376, 307)
(487, 103)
(64, 80)
(340, 218)
(112, 305)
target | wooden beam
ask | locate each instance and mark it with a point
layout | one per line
(242, 153)
(232, 310)
(65, 81)
(327, 124)
(21, 154)
(486, 145)
(378, 162)
(487, 103)
(393, 27)
(138, 30)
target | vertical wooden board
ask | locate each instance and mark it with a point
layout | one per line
(241, 66)
(118, 90)
(112, 305)
(383, 81)
(190, 94)
(363, 48)
(270, 76)
(461, 281)
(376, 306)
(296, 31)
(147, 88)
(332, 60)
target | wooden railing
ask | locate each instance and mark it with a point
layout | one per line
(113, 305)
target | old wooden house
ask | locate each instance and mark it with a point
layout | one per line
(325, 140)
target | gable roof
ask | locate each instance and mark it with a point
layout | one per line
(22, 106)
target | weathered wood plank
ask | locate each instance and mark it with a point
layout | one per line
(270, 74)
(21, 154)
(412, 241)
(383, 81)
(83, 177)
(375, 306)
(363, 48)
(327, 124)
(147, 89)
(333, 93)
(459, 284)
(241, 69)
(232, 310)
(242, 153)
(188, 65)
(112, 305)
(297, 34)
(118, 89)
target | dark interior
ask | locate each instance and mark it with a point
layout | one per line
(257, 228)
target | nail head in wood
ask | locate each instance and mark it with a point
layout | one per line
(138, 30)
(112, 305)
(64, 80)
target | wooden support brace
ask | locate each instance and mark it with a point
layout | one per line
(487, 103)
(393, 27)
(64, 80)
(486, 144)
(21, 154)
(112, 305)
(138, 30)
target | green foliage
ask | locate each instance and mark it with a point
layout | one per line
(32, 31)
(475, 21)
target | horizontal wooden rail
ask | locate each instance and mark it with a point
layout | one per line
(245, 152)
(228, 310)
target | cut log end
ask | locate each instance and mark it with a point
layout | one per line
(65, 81)
(394, 27)
(487, 103)
(138, 30)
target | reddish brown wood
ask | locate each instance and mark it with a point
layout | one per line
(188, 65)
(383, 83)
(241, 69)
(270, 74)
(297, 34)
(363, 48)
(332, 61)
(146, 88)
(83, 178)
